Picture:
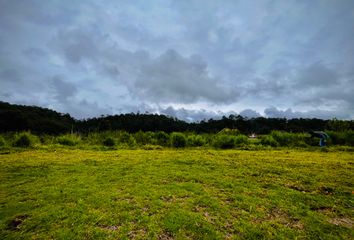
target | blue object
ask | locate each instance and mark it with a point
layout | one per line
(321, 135)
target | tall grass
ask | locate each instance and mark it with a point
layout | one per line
(68, 139)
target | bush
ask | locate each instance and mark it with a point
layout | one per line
(268, 140)
(224, 141)
(178, 140)
(2, 141)
(195, 141)
(46, 139)
(311, 141)
(68, 139)
(228, 131)
(144, 138)
(286, 139)
(349, 138)
(341, 138)
(126, 139)
(109, 142)
(162, 138)
(241, 140)
(24, 140)
(95, 138)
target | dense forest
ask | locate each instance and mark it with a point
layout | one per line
(42, 120)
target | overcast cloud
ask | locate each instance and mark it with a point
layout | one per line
(189, 59)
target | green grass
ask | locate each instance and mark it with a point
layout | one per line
(176, 194)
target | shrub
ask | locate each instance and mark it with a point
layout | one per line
(68, 139)
(126, 138)
(144, 138)
(241, 140)
(337, 138)
(196, 140)
(178, 140)
(224, 141)
(162, 138)
(2, 141)
(228, 131)
(46, 139)
(349, 138)
(109, 142)
(24, 140)
(289, 139)
(95, 138)
(282, 138)
(342, 138)
(268, 140)
(311, 141)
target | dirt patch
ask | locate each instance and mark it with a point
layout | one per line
(109, 228)
(15, 224)
(344, 222)
(165, 236)
(324, 210)
(299, 188)
(138, 233)
(281, 217)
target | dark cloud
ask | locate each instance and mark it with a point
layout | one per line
(10, 75)
(316, 75)
(77, 45)
(173, 78)
(34, 53)
(63, 89)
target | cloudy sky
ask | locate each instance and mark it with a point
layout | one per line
(190, 59)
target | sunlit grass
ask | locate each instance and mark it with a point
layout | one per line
(176, 194)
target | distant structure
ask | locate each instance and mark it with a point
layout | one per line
(253, 135)
(321, 135)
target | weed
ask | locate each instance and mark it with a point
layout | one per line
(68, 139)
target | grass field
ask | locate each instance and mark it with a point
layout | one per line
(176, 194)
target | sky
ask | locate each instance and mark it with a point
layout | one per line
(190, 59)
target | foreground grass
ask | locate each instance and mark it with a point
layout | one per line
(170, 194)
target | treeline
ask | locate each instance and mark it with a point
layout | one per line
(14, 118)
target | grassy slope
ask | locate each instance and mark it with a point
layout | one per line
(167, 194)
